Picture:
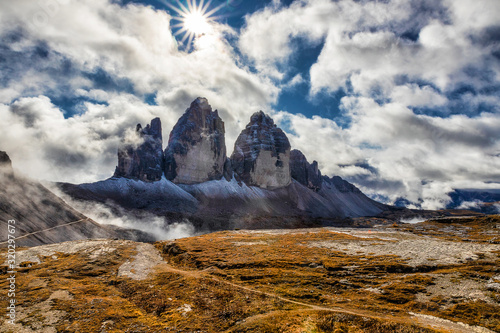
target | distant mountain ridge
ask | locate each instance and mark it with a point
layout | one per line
(193, 177)
(483, 201)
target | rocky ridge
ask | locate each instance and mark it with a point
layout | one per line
(196, 153)
(43, 218)
(5, 166)
(5, 162)
(262, 178)
(305, 173)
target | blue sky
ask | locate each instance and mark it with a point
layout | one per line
(400, 97)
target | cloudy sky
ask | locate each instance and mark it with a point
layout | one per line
(401, 97)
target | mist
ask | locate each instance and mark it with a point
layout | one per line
(414, 220)
(161, 228)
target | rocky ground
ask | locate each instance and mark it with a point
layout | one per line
(436, 276)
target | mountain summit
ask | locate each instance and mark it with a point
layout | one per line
(196, 150)
(141, 156)
(263, 184)
(261, 155)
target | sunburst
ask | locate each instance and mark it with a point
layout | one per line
(194, 20)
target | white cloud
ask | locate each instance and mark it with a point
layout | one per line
(363, 40)
(388, 146)
(415, 96)
(385, 147)
(45, 145)
(319, 139)
(131, 43)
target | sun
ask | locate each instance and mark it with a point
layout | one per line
(194, 20)
(196, 23)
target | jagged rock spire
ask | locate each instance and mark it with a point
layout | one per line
(143, 158)
(196, 149)
(304, 172)
(261, 154)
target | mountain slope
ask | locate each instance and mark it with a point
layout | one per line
(227, 201)
(43, 218)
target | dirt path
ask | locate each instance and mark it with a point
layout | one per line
(57, 226)
(427, 321)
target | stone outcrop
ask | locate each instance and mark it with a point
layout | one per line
(258, 175)
(5, 165)
(261, 154)
(196, 149)
(143, 157)
(304, 172)
(5, 162)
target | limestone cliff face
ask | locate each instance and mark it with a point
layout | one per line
(304, 172)
(143, 158)
(196, 149)
(261, 155)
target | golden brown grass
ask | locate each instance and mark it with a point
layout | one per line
(256, 282)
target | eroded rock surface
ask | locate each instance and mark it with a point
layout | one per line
(142, 157)
(142, 263)
(304, 172)
(196, 149)
(261, 155)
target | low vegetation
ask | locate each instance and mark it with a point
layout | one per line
(268, 281)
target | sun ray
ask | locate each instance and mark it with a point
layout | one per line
(178, 32)
(183, 8)
(204, 9)
(186, 35)
(193, 19)
(215, 10)
(190, 6)
(191, 37)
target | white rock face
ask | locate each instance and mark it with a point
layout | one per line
(199, 164)
(267, 174)
(261, 154)
(196, 149)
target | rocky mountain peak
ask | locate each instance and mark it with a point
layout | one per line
(196, 149)
(153, 130)
(143, 158)
(304, 172)
(261, 154)
(5, 160)
(5, 165)
(261, 119)
(202, 103)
